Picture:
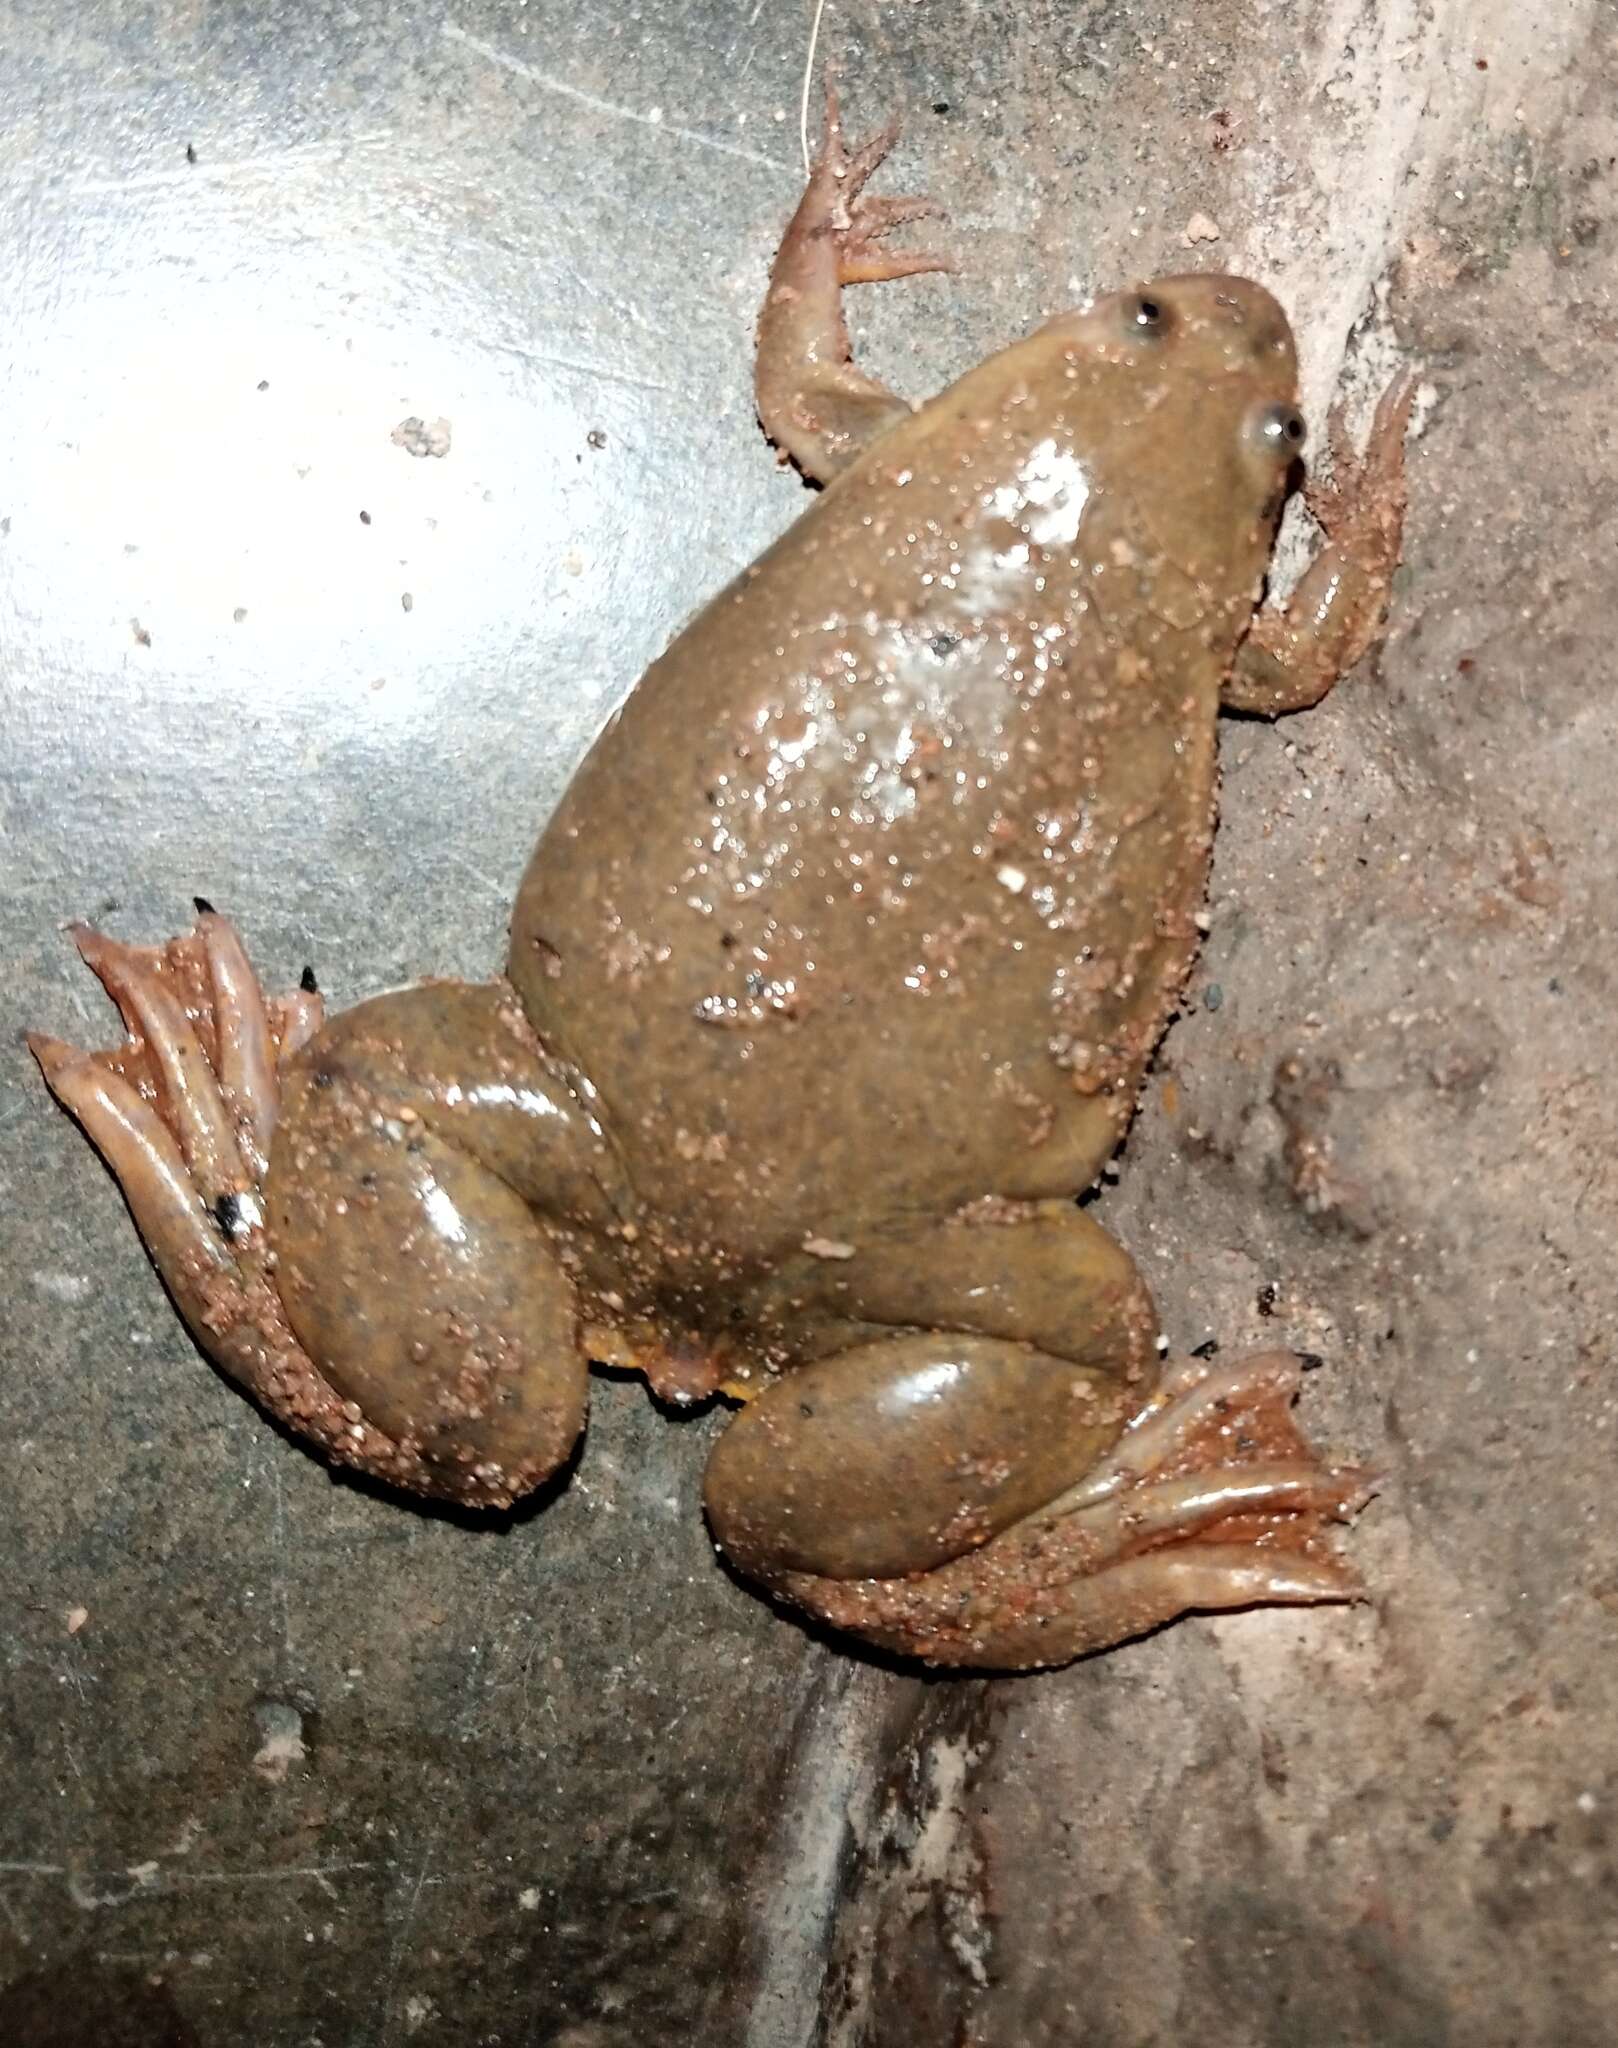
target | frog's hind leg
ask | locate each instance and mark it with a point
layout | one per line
(1012, 1492)
(1211, 1500)
(815, 403)
(339, 1266)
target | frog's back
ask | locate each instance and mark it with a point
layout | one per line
(876, 894)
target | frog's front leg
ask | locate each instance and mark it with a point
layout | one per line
(341, 1212)
(815, 404)
(982, 1475)
(1294, 654)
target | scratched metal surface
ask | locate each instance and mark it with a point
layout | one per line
(542, 1764)
(565, 1784)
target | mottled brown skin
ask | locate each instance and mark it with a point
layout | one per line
(832, 983)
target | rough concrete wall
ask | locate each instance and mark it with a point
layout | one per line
(1394, 1826)
(564, 1782)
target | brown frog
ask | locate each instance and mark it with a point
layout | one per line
(832, 983)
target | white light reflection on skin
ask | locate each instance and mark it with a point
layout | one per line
(501, 1095)
(1044, 507)
(930, 1383)
(442, 1213)
(1047, 501)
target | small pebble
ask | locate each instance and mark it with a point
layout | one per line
(421, 437)
(827, 1248)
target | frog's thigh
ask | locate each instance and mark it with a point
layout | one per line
(422, 1285)
(1008, 1359)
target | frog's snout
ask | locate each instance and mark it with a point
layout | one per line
(1241, 316)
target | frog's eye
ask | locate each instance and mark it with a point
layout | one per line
(1146, 317)
(1279, 430)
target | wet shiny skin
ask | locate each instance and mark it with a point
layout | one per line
(899, 847)
(865, 912)
(832, 982)
(876, 895)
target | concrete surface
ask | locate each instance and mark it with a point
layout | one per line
(289, 1763)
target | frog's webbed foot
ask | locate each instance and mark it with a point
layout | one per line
(1336, 614)
(1362, 497)
(815, 404)
(856, 222)
(1211, 1499)
(185, 1112)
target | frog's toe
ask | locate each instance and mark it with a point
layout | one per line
(852, 166)
(144, 1154)
(1217, 1448)
(1098, 1609)
(1391, 420)
(1363, 499)
(1201, 1414)
(1172, 1509)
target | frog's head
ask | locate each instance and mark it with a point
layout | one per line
(1182, 394)
(1206, 365)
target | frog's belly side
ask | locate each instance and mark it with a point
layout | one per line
(881, 927)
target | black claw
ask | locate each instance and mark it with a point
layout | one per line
(1208, 1348)
(308, 983)
(204, 907)
(1310, 1361)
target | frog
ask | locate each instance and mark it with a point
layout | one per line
(833, 984)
